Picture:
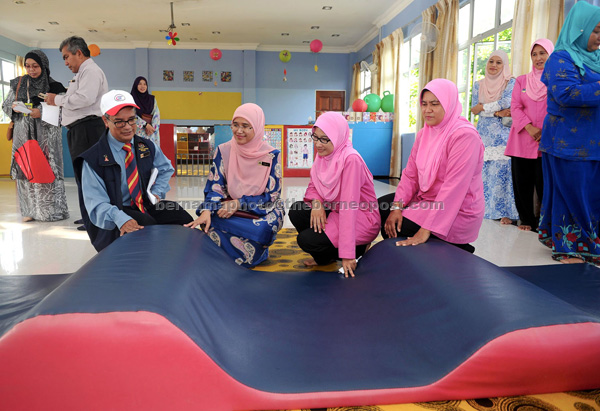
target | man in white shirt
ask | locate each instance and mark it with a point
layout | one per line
(81, 112)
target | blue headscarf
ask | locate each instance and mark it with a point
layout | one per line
(575, 33)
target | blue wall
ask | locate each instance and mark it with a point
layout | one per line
(258, 75)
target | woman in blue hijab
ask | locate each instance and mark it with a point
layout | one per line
(570, 144)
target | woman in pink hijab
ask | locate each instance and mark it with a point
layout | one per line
(528, 109)
(338, 218)
(440, 193)
(242, 210)
(491, 101)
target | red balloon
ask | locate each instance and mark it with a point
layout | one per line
(359, 106)
(215, 54)
(316, 46)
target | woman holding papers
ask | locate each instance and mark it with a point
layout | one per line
(43, 202)
(242, 209)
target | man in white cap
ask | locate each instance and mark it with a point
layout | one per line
(115, 175)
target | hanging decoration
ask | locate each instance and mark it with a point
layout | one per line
(94, 50)
(215, 54)
(316, 46)
(285, 56)
(172, 39)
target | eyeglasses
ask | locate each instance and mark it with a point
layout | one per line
(245, 129)
(121, 123)
(321, 140)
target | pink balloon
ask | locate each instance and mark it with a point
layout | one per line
(215, 54)
(316, 46)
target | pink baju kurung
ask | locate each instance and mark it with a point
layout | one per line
(354, 219)
(524, 111)
(452, 207)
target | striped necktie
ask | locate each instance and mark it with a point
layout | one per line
(133, 179)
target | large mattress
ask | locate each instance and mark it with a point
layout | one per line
(163, 319)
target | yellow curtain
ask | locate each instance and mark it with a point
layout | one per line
(376, 75)
(355, 90)
(396, 40)
(533, 19)
(20, 63)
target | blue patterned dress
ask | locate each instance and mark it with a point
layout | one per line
(570, 145)
(497, 177)
(246, 240)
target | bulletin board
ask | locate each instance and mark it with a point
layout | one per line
(298, 151)
(193, 105)
(274, 135)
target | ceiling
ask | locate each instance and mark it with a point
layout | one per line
(241, 24)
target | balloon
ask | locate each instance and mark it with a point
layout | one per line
(285, 56)
(387, 102)
(94, 50)
(316, 46)
(359, 105)
(373, 102)
(215, 54)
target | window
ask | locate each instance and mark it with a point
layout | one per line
(480, 33)
(365, 82)
(409, 83)
(8, 71)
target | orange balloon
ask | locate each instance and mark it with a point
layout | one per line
(94, 50)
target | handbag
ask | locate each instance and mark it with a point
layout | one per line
(33, 163)
(11, 126)
(240, 213)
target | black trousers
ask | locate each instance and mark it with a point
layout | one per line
(408, 228)
(314, 243)
(527, 175)
(163, 212)
(84, 134)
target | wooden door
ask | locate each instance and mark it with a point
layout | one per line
(330, 101)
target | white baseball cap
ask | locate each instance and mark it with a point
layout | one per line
(115, 100)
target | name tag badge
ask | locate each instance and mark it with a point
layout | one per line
(264, 163)
(146, 154)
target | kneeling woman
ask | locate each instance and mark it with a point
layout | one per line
(242, 210)
(440, 193)
(338, 217)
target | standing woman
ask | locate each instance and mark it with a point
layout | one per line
(42, 202)
(148, 121)
(245, 177)
(491, 100)
(570, 145)
(339, 216)
(528, 109)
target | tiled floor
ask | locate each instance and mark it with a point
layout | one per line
(54, 248)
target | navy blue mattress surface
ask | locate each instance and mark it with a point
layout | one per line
(411, 315)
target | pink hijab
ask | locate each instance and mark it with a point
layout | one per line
(326, 172)
(491, 87)
(244, 171)
(535, 89)
(433, 139)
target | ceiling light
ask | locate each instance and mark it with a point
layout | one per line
(335, 35)
(163, 31)
(306, 41)
(327, 7)
(19, 2)
(54, 23)
(40, 29)
(314, 27)
(193, 38)
(285, 34)
(93, 31)
(216, 32)
(185, 24)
